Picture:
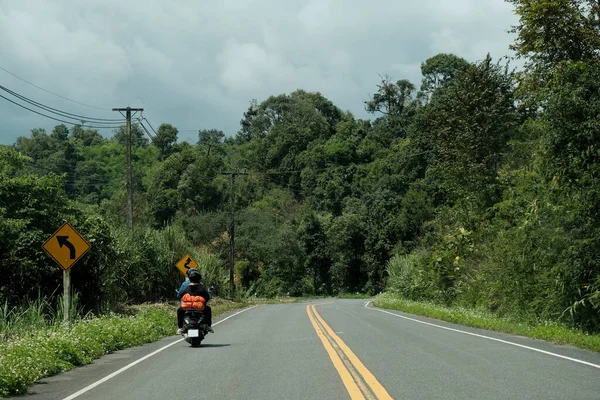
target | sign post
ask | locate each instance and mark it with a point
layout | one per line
(66, 246)
(67, 294)
(186, 263)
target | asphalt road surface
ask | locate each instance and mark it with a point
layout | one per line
(335, 349)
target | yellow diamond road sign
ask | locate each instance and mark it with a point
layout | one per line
(66, 246)
(186, 263)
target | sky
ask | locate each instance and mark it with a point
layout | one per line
(198, 64)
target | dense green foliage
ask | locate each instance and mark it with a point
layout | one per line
(480, 189)
(60, 348)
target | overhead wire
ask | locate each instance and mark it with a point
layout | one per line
(110, 123)
(52, 93)
(331, 168)
(62, 113)
(69, 179)
(179, 131)
(153, 139)
(179, 159)
(58, 119)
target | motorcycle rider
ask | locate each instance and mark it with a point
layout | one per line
(194, 286)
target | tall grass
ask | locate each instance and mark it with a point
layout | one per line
(16, 319)
(145, 269)
(37, 314)
(39, 344)
(544, 330)
(214, 272)
(42, 352)
(408, 278)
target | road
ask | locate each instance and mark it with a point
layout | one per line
(335, 349)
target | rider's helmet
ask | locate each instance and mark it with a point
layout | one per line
(194, 275)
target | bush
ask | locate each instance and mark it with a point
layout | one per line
(408, 278)
(49, 348)
(43, 352)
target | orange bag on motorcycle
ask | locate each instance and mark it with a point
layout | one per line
(189, 302)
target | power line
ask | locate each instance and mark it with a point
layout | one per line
(61, 113)
(57, 119)
(56, 168)
(74, 179)
(179, 131)
(179, 160)
(153, 139)
(324, 169)
(52, 93)
(129, 169)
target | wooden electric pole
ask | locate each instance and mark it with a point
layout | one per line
(232, 233)
(232, 238)
(129, 178)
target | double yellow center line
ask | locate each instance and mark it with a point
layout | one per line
(358, 380)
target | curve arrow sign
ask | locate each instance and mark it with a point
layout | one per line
(64, 241)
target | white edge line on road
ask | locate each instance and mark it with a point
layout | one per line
(486, 337)
(101, 381)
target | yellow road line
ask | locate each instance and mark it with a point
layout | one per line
(349, 383)
(373, 383)
(358, 379)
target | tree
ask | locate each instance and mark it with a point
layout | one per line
(381, 234)
(552, 31)
(396, 102)
(60, 132)
(51, 153)
(164, 186)
(200, 187)
(165, 138)
(346, 240)
(11, 161)
(313, 238)
(137, 136)
(473, 121)
(283, 126)
(210, 138)
(391, 98)
(86, 137)
(38, 147)
(31, 208)
(440, 69)
(572, 130)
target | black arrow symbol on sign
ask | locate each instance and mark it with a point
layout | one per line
(64, 241)
(187, 263)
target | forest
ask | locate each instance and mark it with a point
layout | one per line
(478, 186)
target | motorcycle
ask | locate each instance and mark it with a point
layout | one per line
(194, 330)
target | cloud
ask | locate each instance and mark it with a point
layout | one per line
(245, 66)
(198, 64)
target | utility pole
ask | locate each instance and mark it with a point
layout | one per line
(232, 232)
(129, 178)
(232, 238)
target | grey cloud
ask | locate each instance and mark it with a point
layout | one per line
(198, 64)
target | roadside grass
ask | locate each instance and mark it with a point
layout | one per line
(39, 345)
(353, 296)
(549, 331)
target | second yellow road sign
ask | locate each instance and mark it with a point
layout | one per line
(186, 263)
